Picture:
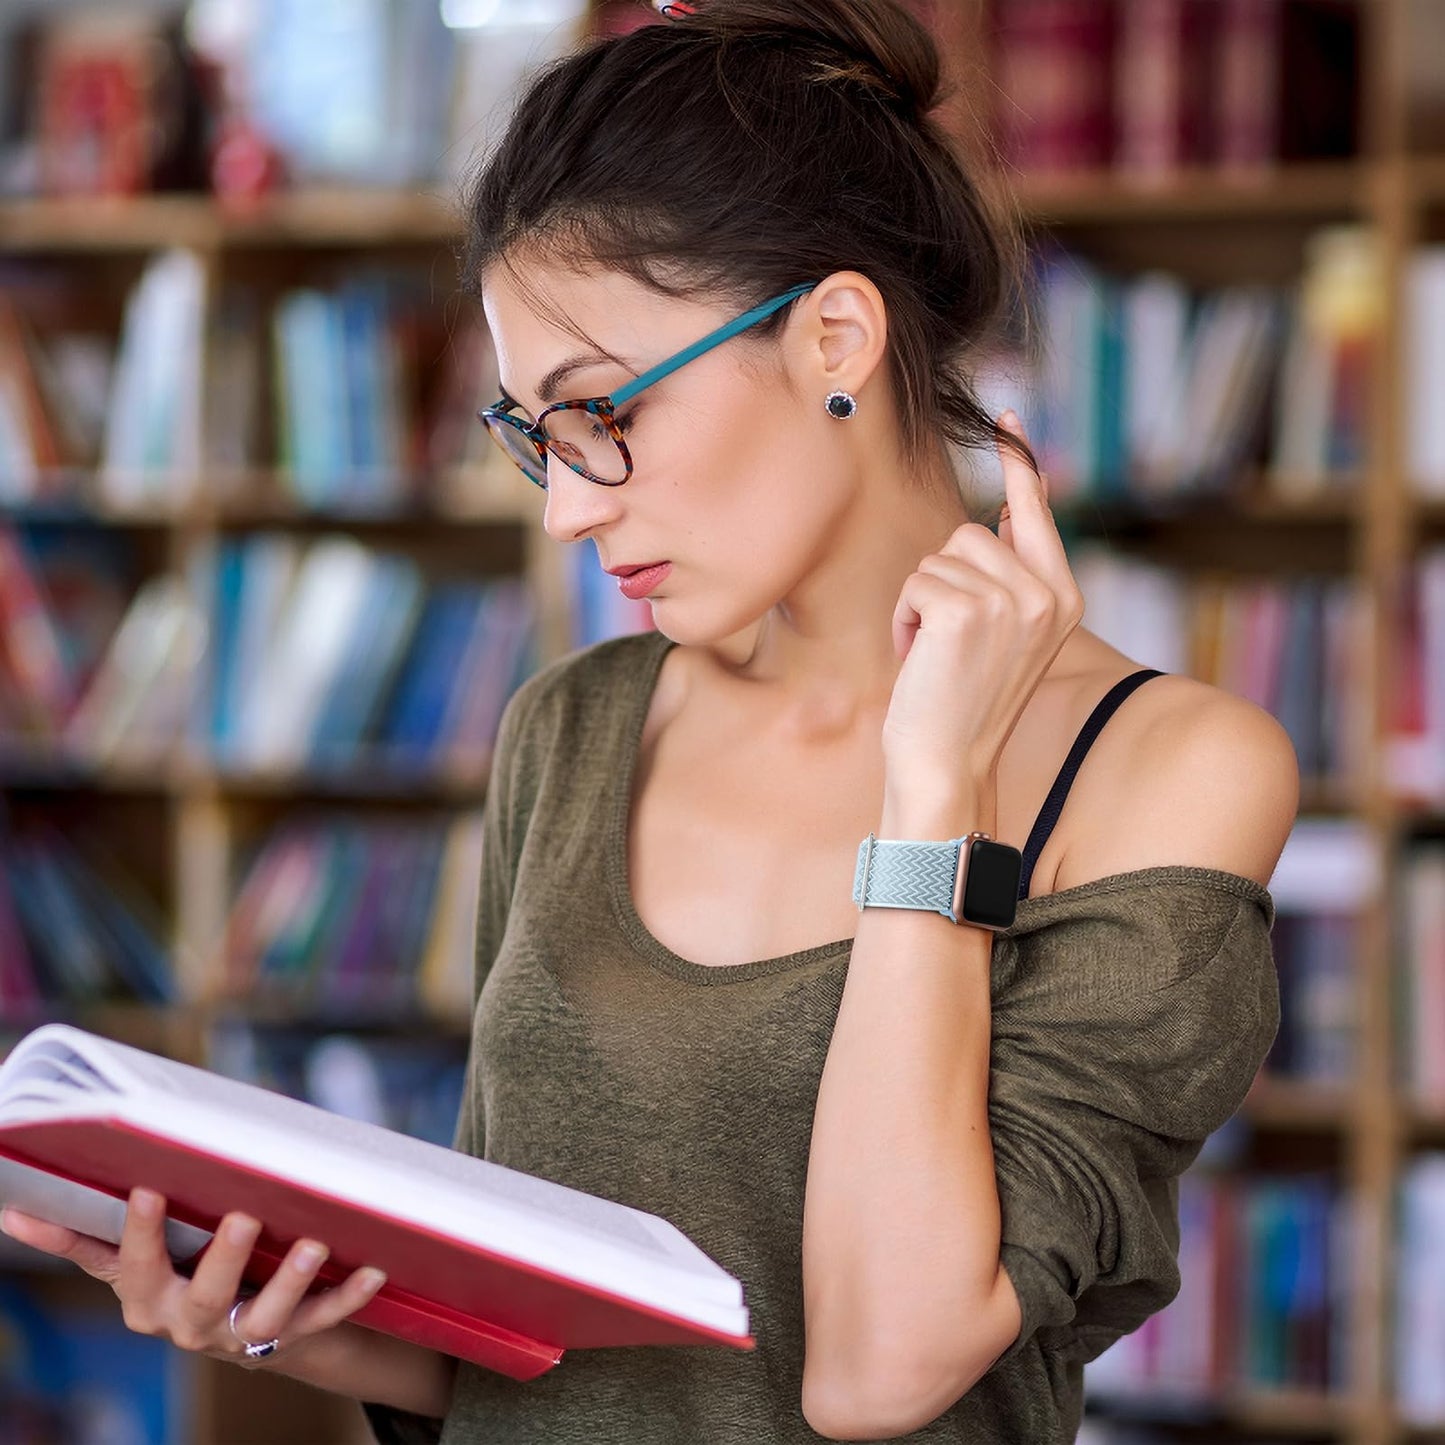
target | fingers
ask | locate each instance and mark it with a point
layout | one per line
(203, 1303)
(93, 1255)
(269, 1315)
(1029, 531)
(280, 1311)
(144, 1261)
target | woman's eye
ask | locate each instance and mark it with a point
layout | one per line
(624, 425)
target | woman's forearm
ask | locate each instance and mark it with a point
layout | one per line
(380, 1369)
(905, 1301)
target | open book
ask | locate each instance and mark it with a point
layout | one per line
(482, 1262)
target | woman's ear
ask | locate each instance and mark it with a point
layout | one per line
(845, 333)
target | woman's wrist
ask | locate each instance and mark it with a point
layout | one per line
(940, 812)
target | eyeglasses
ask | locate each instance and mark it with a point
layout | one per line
(587, 435)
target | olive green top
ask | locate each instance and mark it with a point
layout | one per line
(1130, 1014)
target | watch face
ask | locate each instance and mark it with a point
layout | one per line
(991, 884)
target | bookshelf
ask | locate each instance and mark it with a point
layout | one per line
(185, 822)
(1217, 229)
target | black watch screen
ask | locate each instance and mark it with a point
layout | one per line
(991, 884)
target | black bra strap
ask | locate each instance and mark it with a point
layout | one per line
(1054, 803)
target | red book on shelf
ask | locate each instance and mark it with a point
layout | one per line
(1162, 84)
(1245, 124)
(485, 1263)
(1053, 60)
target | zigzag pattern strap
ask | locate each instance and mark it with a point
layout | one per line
(899, 874)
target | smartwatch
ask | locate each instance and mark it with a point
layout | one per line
(972, 879)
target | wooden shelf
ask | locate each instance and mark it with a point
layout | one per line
(1280, 1412)
(316, 217)
(311, 217)
(1289, 1104)
(482, 496)
(1427, 178)
(1314, 191)
(1249, 506)
(363, 782)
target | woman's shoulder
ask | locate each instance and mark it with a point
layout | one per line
(606, 673)
(1186, 775)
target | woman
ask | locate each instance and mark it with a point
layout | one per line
(941, 1155)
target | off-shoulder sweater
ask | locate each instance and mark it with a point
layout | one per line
(1130, 1014)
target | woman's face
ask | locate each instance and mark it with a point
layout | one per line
(739, 476)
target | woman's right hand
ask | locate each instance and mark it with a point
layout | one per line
(193, 1313)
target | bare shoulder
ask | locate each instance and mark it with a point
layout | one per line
(1188, 773)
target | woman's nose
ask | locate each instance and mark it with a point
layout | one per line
(574, 505)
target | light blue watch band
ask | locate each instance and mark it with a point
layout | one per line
(895, 874)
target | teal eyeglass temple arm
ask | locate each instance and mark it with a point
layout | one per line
(713, 338)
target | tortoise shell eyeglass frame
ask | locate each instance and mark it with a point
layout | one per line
(604, 408)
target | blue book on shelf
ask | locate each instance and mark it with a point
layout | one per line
(374, 654)
(419, 705)
(1112, 461)
(1300, 682)
(310, 367)
(134, 954)
(225, 630)
(68, 954)
(362, 309)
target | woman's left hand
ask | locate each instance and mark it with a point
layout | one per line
(977, 626)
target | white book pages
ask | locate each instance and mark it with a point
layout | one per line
(62, 1072)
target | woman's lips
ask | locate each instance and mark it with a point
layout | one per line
(636, 585)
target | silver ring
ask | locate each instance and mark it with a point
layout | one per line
(257, 1349)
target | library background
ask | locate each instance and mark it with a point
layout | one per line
(264, 591)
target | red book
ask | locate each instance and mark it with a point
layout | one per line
(1247, 106)
(29, 636)
(1053, 64)
(485, 1263)
(1162, 84)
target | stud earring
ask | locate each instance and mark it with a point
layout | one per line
(841, 404)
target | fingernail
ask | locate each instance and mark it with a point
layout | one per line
(5, 1221)
(309, 1256)
(372, 1280)
(1010, 418)
(241, 1229)
(146, 1203)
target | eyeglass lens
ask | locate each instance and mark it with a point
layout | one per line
(582, 439)
(575, 436)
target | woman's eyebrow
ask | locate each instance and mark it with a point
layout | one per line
(550, 385)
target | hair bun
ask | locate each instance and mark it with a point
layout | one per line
(875, 42)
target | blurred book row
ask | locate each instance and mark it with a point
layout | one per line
(1143, 387)
(1146, 87)
(1330, 872)
(1420, 992)
(334, 917)
(286, 654)
(244, 96)
(349, 395)
(1264, 1277)
(1261, 1304)
(1295, 646)
(76, 927)
(346, 918)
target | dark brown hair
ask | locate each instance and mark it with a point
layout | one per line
(755, 146)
